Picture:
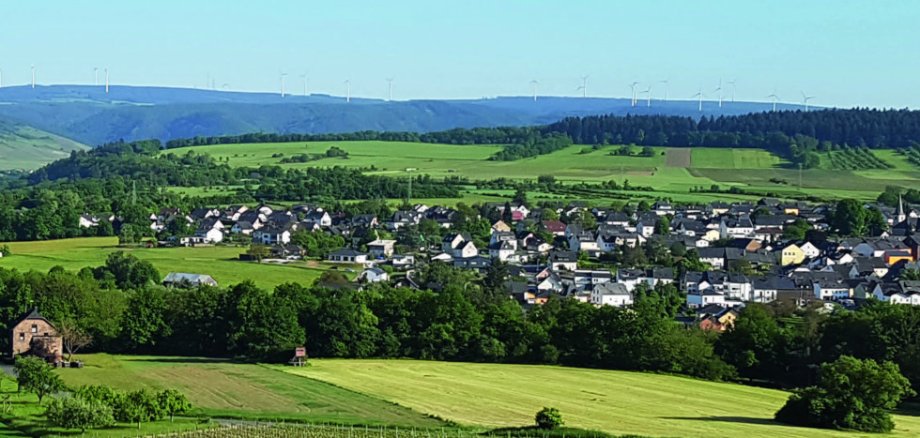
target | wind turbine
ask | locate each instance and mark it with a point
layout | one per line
(699, 94)
(584, 86)
(33, 76)
(106, 80)
(347, 90)
(775, 98)
(805, 99)
(533, 88)
(282, 84)
(719, 90)
(666, 88)
(95, 75)
(648, 91)
(732, 83)
(632, 87)
(389, 89)
(304, 77)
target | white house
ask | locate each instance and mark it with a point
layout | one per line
(347, 255)
(611, 294)
(704, 298)
(831, 290)
(271, 235)
(210, 235)
(373, 275)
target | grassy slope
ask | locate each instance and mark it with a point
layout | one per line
(24, 147)
(218, 261)
(748, 168)
(611, 401)
(250, 391)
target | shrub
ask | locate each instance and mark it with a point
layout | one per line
(77, 413)
(549, 418)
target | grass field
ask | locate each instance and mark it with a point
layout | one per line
(612, 401)
(671, 172)
(23, 147)
(220, 262)
(247, 391)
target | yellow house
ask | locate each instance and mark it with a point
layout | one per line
(791, 255)
(791, 210)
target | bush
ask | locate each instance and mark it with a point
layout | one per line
(549, 418)
(851, 394)
(77, 413)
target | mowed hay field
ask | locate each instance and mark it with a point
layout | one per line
(220, 262)
(497, 395)
(248, 391)
(672, 172)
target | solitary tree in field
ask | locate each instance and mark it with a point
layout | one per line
(259, 252)
(549, 418)
(850, 394)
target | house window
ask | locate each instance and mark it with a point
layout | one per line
(34, 328)
(22, 336)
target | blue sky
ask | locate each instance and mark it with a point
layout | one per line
(845, 53)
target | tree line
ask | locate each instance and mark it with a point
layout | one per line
(458, 315)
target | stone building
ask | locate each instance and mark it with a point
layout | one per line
(34, 335)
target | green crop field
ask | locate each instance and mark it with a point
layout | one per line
(735, 158)
(496, 395)
(672, 172)
(248, 391)
(220, 262)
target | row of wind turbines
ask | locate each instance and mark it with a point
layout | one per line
(95, 77)
(635, 93)
(305, 79)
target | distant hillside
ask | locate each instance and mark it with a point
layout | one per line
(88, 115)
(24, 147)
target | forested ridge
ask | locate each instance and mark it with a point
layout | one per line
(796, 135)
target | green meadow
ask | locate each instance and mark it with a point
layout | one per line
(619, 402)
(220, 262)
(221, 388)
(672, 172)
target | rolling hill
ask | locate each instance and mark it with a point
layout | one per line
(25, 147)
(88, 115)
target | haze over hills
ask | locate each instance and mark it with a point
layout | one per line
(88, 115)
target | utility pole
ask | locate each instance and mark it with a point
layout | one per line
(800, 177)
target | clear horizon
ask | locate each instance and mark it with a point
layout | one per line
(845, 53)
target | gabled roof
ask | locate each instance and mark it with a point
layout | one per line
(32, 315)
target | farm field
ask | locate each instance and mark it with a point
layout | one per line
(24, 147)
(496, 395)
(219, 262)
(672, 172)
(246, 391)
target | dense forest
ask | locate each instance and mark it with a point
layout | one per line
(461, 316)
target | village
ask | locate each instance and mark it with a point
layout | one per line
(741, 252)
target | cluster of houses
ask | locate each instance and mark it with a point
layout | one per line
(742, 244)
